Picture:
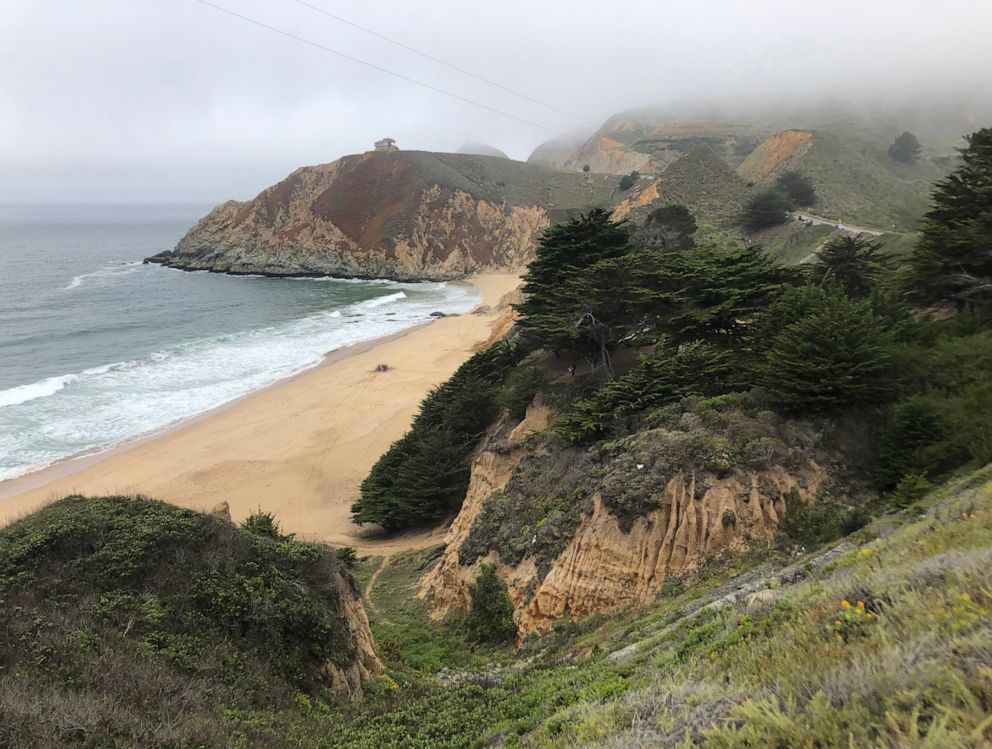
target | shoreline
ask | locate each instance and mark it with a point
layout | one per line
(188, 463)
(40, 477)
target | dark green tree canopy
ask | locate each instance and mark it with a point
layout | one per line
(490, 619)
(423, 476)
(832, 359)
(629, 180)
(670, 227)
(855, 263)
(798, 187)
(905, 149)
(564, 250)
(952, 262)
(766, 209)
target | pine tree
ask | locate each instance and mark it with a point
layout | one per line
(490, 619)
(423, 476)
(833, 359)
(952, 262)
(563, 252)
(671, 373)
(854, 263)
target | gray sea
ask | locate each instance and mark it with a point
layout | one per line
(97, 348)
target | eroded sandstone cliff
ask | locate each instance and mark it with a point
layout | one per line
(406, 215)
(579, 532)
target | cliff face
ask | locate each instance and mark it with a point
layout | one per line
(405, 215)
(347, 681)
(658, 506)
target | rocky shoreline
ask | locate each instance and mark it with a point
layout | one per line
(402, 216)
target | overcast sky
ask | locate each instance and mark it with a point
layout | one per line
(173, 100)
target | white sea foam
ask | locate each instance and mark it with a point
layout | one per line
(99, 407)
(108, 273)
(379, 301)
(41, 389)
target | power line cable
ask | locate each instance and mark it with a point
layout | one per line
(383, 70)
(447, 64)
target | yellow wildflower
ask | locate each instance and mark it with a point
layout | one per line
(845, 604)
(861, 604)
(838, 623)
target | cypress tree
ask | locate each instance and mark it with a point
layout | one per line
(832, 359)
(952, 262)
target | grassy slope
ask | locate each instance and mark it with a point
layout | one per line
(703, 668)
(129, 622)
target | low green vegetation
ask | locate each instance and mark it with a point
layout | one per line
(129, 622)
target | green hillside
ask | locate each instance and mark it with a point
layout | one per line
(855, 179)
(127, 622)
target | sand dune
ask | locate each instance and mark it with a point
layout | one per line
(299, 449)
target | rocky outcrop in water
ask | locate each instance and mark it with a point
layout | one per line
(405, 215)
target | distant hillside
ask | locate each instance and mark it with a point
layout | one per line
(701, 181)
(842, 149)
(856, 180)
(553, 152)
(403, 215)
(481, 149)
(648, 142)
(129, 622)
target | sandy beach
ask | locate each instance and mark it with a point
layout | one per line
(298, 449)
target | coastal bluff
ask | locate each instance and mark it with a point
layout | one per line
(402, 215)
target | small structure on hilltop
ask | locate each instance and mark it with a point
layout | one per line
(386, 144)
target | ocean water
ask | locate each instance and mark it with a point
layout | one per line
(97, 348)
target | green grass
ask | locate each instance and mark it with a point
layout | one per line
(917, 673)
(411, 645)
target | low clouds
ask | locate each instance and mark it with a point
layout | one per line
(143, 100)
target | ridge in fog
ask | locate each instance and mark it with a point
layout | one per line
(124, 101)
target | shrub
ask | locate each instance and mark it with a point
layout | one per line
(906, 149)
(811, 525)
(911, 489)
(263, 523)
(629, 180)
(137, 623)
(916, 426)
(491, 617)
(348, 556)
(851, 621)
(766, 209)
